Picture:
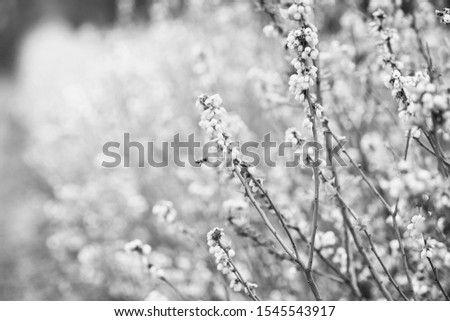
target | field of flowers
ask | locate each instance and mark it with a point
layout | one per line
(370, 76)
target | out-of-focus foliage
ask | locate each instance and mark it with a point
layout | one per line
(65, 219)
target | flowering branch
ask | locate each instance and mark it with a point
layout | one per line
(416, 229)
(212, 112)
(221, 248)
(303, 42)
(408, 107)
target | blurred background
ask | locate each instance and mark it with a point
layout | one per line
(75, 74)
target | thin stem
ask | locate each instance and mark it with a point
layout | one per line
(250, 292)
(424, 146)
(308, 275)
(408, 140)
(350, 267)
(353, 285)
(329, 276)
(397, 230)
(278, 214)
(373, 249)
(433, 139)
(173, 287)
(148, 266)
(271, 12)
(358, 244)
(263, 215)
(361, 173)
(366, 259)
(436, 279)
(316, 184)
(391, 279)
(430, 151)
(402, 250)
(268, 246)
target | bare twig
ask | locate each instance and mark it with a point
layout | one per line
(436, 279)
(250, 292)
(397, 230)
(353, 285)
(350, 268)
(372, 247)
(316, 183)
(250, 233)
(173, 287)
(278, 214)
(308, 275)
(350, 210)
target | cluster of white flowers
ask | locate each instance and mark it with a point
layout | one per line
(326, 241)
(415, 183)
(444, 15)
(212, 119)
(430, 99)
(299, 83)
(293, 136)
(307, 122)
(417, 96)
(340, 258)
(214, 123)
(427, 251)
(299, 9)
(220, 246)
(253, 186)
(258, 194)
(395, 81)
(417, 226)
(138, 247)
(303, 42)
(378, 28)
(398, 83)
(415, 132)
(165, 211)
